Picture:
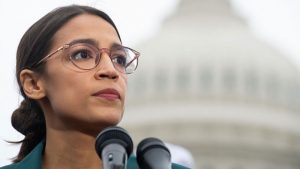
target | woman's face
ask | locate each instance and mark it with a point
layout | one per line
(85, 100)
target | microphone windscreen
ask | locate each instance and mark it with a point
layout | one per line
(115, 135)
(153, 154)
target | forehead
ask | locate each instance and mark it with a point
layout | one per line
(86, 26)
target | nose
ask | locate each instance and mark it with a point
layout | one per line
(106, 69)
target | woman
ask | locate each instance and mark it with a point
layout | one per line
(72, 72)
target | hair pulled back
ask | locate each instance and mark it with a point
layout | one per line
(29, 118)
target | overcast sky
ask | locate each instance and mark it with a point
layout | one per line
(274, 21)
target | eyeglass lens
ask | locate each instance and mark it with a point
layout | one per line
(85, 56)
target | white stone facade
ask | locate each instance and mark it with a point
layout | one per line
(206, 83)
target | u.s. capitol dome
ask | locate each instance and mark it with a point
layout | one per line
(206, 83)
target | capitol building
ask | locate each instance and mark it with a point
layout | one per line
(206, 83)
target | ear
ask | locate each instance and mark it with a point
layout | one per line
(32, 84)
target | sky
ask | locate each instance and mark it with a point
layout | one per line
(274, 21)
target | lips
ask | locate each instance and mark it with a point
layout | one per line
(109, 94)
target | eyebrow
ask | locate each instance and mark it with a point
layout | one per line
(93, 42)
(88, 41)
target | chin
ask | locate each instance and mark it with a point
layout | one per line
(110, 118)
(105, 117)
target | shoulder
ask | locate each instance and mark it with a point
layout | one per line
(132, 164)
(31, 161)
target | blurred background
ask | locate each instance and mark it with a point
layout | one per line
(218, 80)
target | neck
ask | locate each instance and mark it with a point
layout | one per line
(70, 150)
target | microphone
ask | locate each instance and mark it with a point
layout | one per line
(153, 154)
(114, 145)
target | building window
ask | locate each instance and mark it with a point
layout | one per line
(161, 80)
(206, 78)
(229, 80)
(182, 78)
(293, 94)
(140, 85)
(272, 87)
(251, 82)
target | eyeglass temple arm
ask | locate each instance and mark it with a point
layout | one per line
(49, 55)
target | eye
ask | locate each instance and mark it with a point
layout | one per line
(82, 54)
(120, 60)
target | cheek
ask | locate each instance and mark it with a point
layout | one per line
(69, 95)
(66, 96)
(65, 90)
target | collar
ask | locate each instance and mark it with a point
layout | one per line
(34, 159)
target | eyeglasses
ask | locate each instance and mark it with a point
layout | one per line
(86, 56)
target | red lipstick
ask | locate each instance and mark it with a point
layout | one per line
(109, 94)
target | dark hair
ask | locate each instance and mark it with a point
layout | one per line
(29, 119)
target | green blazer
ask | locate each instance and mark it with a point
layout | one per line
(34, 161)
